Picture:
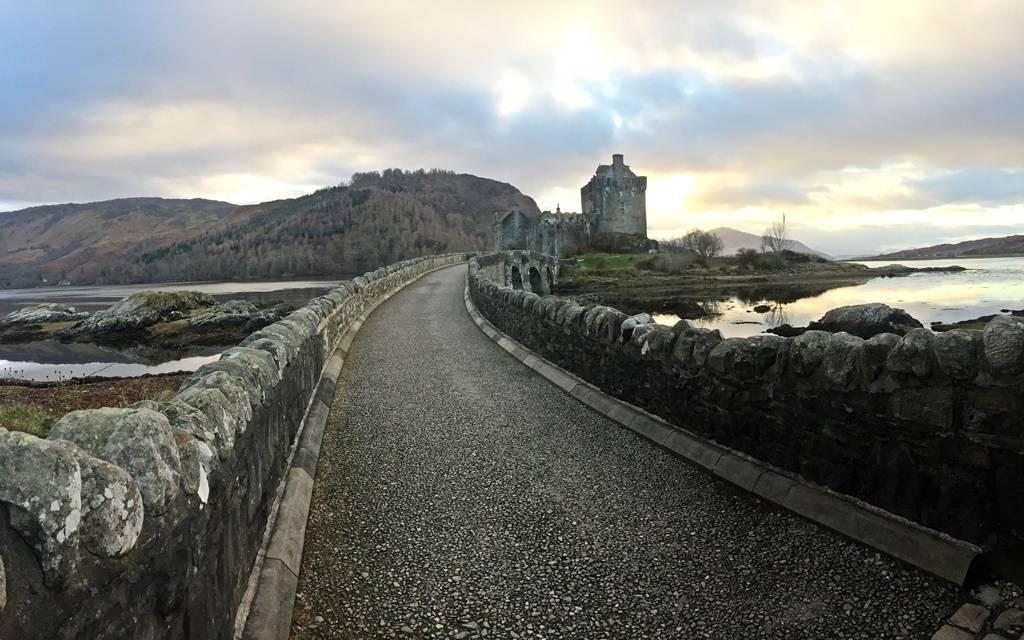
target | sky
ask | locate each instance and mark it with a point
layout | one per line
(872, 125)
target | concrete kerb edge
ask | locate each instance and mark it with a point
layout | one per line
(270, 599)
(927, 549)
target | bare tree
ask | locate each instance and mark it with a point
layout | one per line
(775, 237)
(703, 243)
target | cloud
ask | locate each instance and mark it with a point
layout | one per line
(974, 185)
(854, 119)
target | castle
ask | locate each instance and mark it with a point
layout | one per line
(614, 205)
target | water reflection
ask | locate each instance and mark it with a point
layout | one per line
(988, 286)
(100, 297)
(20, 370)
(53, 360)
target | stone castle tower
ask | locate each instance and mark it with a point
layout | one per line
(616, 199)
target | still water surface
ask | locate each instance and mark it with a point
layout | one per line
(52, 360)
(988, 286)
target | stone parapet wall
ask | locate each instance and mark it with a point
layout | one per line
(927, 426)
(144, 522)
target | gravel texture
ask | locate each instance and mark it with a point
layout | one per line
(460, 495)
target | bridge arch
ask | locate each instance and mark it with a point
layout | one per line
(517, 277)
(536, 283)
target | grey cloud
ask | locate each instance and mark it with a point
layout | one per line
(779, 193)
(336, 81)
(974, 185)
(872, 240)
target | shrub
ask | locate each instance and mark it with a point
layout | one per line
(674, 263)
(26, 418)
(747, 257)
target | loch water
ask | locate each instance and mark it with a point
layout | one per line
(50, 360)
(989, 285)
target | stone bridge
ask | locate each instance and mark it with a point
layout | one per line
(522, 270)
(478, 459)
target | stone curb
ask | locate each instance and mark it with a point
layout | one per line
(933, 551)
(272, 592)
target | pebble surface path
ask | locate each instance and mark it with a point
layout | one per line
(460, 495)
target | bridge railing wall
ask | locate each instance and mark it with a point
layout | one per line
(927, 426)
(144, 522)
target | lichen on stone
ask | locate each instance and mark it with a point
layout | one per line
(138, 440)
(42, 484)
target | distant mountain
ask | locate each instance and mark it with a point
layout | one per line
(1005, 246)
(734, 240)
(379, 218)
(56, 241)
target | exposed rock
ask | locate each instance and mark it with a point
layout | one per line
(896, 270)
(138, 440)
(978, 324)
(1004, 344)
(1010, 620)
(38, 322)
(866, 320)
(970, 616)
(173, 320)
(43, 313)
(240, 314)
(141, 310)
(787, 330)
(3, 586)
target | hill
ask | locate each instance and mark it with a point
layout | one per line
(376, 219)
(1005, 246)
(55, 240)
(734, 240)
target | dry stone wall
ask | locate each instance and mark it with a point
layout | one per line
(144, 522)
(927, 426)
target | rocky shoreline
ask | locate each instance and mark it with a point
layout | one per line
(149, 320)
(688, 294)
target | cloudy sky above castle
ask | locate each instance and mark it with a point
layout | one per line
(873, 125)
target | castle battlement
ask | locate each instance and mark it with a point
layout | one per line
(614, 201)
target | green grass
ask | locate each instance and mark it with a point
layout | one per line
(26, 418)
(604, 261)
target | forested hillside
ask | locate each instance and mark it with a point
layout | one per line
(376, 219)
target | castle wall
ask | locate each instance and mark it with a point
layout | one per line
(515, 231)
(562, 234)
(614, 202)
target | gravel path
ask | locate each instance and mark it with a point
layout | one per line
(460, 495)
